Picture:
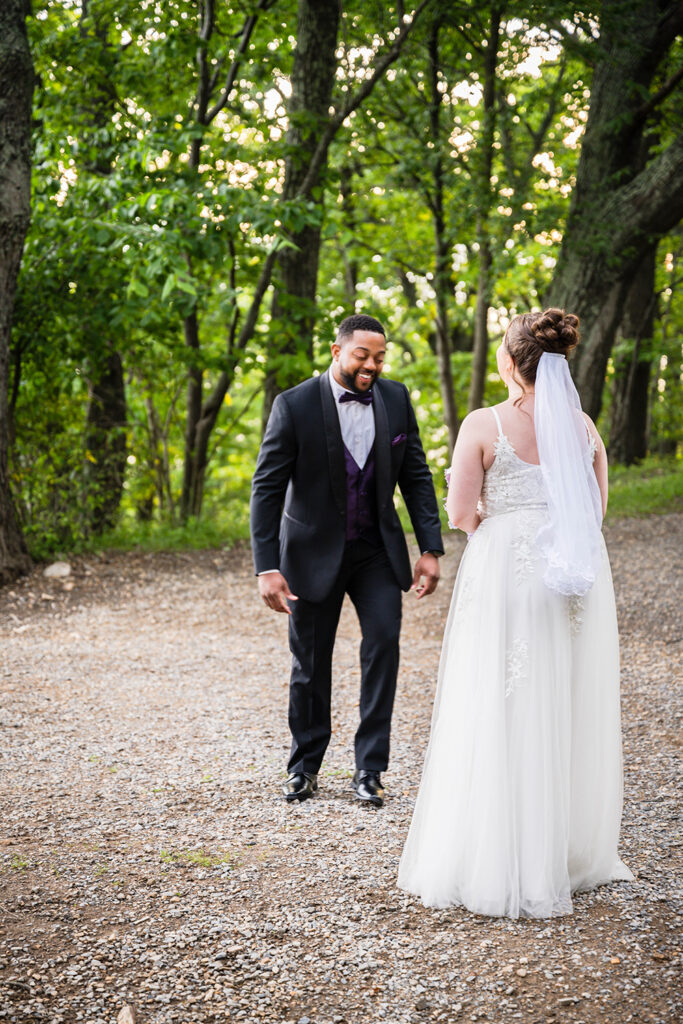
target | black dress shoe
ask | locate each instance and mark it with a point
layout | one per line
(299, 786)
(368, 787)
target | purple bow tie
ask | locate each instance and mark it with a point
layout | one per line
(352, 396)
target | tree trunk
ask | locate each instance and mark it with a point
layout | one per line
(442, 267)
(313, 78)
(105, 439)
(205, 415)
(480, 349)
(16, 92)
(618, 209)
(202, 415)
(157, 458)
(628, 440)
(195, 377)
(105, 423)
(671, 373)
(302, 179)
(483, 177)
(443, 352)
(349, 215)
(593, 283)
(296, 276)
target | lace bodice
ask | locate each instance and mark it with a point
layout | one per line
(511, 484)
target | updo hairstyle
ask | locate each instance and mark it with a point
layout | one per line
(529, 335)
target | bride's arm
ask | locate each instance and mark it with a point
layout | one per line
(600, 461)
(467, 475)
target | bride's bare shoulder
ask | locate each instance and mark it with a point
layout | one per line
(479, 418)
(479, 425)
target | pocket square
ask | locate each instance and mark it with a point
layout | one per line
(398, 439)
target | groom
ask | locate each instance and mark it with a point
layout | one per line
(333, 451)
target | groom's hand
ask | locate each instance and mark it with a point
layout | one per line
(275, 592)
(427, 568)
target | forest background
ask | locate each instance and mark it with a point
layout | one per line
(193, 193)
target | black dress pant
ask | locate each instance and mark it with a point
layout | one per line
(367, 578)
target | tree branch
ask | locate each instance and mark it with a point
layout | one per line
(247, 29)
(670, 25)
(260, 290)
(651, 203)
(470, 41)
(646, 108)
(355, 101)
(212, 405)
(205, 33)
(214, 77)
(396, 260)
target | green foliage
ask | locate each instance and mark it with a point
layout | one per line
(654, 486)
(131, 236)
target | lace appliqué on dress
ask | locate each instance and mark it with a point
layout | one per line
(575, 608)
(464, 597)
(509, 483)
(516, 665)
(447, 474)
(523, 546)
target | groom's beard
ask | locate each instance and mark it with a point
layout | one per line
(349, 381)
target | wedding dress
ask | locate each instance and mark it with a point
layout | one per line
(521, 794)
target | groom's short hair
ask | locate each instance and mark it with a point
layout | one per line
(358, 322)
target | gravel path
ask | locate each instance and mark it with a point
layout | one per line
(146, 857)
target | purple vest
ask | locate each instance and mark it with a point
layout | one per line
(361, 499)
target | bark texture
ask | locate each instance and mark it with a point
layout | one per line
(618, 210)
(16, 92)
(628, 439)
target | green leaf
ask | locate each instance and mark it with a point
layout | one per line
(169, 285)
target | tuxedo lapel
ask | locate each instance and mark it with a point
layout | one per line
(335, 445)
(382, 449)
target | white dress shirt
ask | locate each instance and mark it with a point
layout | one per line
(357, 423)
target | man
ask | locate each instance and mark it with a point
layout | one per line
(333, 451)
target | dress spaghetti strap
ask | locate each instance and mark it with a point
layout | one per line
(500, 428)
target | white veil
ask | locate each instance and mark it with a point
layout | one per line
(570, 541)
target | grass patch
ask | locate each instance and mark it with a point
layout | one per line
(212, 531)
(654, 486)
(216, 529)
(197, 858)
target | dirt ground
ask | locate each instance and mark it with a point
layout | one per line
(147, 857)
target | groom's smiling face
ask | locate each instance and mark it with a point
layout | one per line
(358, 359)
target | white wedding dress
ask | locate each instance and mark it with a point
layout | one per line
(521, 794)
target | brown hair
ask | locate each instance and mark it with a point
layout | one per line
(529, 335)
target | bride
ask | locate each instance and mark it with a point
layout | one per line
(520, 800)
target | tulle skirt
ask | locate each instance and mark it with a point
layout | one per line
(520, 800)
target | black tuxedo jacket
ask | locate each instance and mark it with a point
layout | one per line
(298, 498)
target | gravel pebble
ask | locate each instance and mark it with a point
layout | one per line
(147, 858)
